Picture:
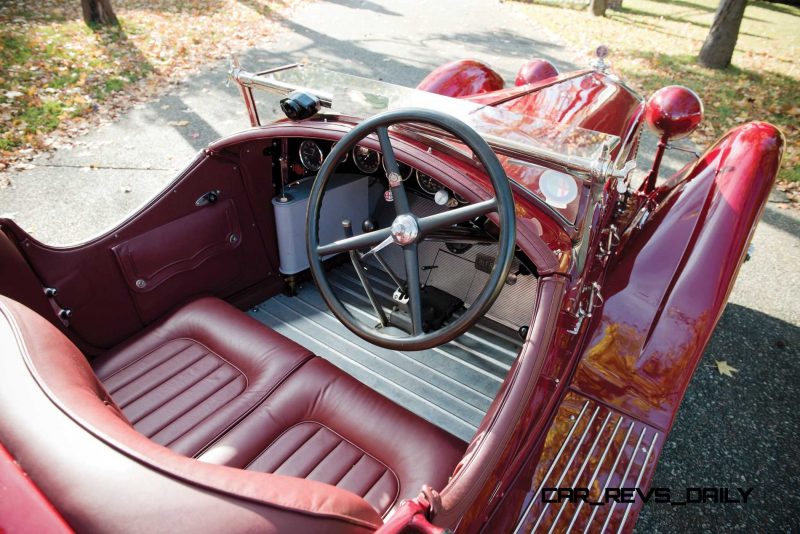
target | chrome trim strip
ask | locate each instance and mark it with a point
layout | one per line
(624, 477)
(567, 466)
(638, 480)
(552, 466)
(580, 471)
(611, 472)
(597, 470)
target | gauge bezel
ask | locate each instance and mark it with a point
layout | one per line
(303, 162)
(424, 189)
(358, 163)
(401, 165)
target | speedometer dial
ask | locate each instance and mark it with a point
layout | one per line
(311, 155)
(366, 160)
(427, 184)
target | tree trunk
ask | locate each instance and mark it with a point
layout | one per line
(98, 12)
(598, 7)
(718, 47)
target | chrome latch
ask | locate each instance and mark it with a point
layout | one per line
(594, 300)
(208, 198)
(609, 238)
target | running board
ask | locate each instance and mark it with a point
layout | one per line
(594, 447)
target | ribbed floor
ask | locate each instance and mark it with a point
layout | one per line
(451, 386)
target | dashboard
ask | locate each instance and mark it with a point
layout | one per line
(305, 157)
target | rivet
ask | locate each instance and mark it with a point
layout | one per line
(140, 283)
(233, 238)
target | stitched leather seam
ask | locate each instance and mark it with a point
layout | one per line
(294, 453)
(140, 358)
(200, 402)
(255, 405)
(322, 461)
(260, 454)
(338, 480)
(219, 408)
(176, 395)
(160, 382)
(380, 476)
(363, 452)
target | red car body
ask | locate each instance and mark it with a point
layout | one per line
(611, 379)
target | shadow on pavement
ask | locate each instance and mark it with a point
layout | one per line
(753, 441)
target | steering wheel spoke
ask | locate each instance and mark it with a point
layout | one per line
(458, 215)
(413, 292)
(368, 239)
(396, 184)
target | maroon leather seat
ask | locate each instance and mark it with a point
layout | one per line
(190, 377)
(213, 383)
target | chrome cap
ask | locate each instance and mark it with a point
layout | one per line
(405, 229)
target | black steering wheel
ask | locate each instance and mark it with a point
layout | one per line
(407, 230)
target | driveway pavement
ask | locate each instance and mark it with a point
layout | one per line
(739, 431)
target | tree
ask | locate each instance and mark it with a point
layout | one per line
(718, 47)
(98, 12)
(598, 7)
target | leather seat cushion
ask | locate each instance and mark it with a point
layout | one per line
(322, 424)
(191, 377)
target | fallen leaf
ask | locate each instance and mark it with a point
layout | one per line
(725, 369)
(178, 123)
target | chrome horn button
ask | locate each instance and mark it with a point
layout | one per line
(404, 229)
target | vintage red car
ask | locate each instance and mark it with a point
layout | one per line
(380, 309)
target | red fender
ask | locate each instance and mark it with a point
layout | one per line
(461, 78)
(535, 70)
(671, 279)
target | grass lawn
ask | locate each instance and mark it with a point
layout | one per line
(655, 43)
(56, 73)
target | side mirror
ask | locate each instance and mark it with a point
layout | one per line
(673, 112)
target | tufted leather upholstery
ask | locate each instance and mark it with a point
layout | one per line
(190, 377)
(322, 424)
(213, 383)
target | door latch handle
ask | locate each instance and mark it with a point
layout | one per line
(209, 198)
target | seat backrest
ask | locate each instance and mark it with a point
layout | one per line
(60, 424)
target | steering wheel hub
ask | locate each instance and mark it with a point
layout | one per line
(404, 229)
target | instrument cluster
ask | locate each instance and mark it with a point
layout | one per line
(306, 157)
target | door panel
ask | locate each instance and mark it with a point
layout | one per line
(177, 249)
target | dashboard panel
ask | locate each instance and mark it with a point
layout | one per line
(305, 157)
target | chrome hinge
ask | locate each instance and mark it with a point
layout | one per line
(594, 300)
(609, 238)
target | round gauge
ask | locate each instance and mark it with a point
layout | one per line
(405, 170)
(427, 184)
(311, 155)
(459, 198)
(366, 160)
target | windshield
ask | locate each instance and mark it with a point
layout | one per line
(519, 136)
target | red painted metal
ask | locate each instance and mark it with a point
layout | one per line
(535, 70)
(673, 111)
(23, 508)
(668, 288)
(663, 295)
(593, 101)
(462, 78)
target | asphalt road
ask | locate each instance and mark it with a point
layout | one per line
(740, 431)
